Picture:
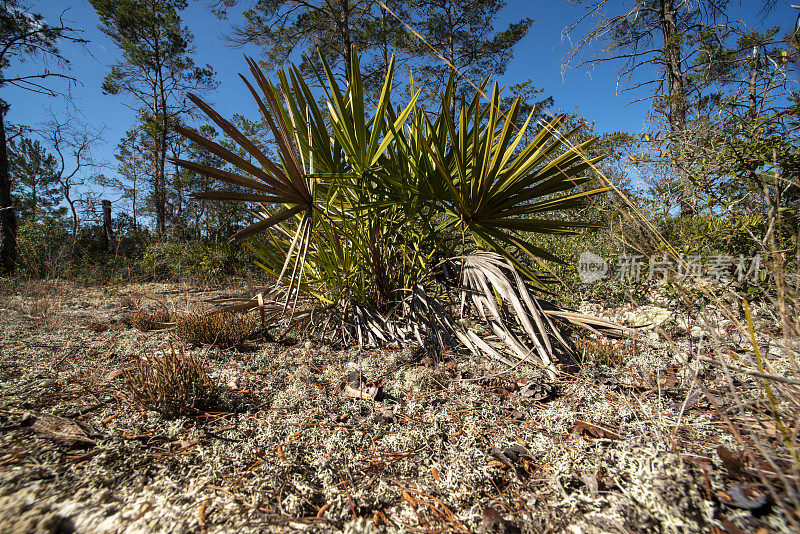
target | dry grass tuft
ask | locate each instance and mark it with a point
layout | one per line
(225, 329)
(173, 384)
(146, 320)
(126, 302)
(605, 351)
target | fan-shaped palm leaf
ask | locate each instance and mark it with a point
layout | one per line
(485, 182)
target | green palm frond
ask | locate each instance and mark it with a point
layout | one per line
(483, 179)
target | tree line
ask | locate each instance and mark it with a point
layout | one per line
(721, 136)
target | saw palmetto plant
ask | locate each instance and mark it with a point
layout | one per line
(364, 216)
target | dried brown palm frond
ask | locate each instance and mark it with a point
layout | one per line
(429, 320)
(496, 290)
(589, 322)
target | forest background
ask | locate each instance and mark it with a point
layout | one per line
(695, 104)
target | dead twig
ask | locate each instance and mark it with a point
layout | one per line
(751, 372)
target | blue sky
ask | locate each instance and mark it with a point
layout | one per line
(537, 57)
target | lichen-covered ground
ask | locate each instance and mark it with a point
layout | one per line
(451, 444)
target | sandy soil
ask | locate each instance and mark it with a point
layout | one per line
(455, 445)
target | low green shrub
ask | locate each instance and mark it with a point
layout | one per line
(43, 248)
(47, 250)
(705, 235)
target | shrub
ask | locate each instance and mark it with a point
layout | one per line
(173, 384)
(224, 329)
(164, 260)
(391, 190)
(43, 248)
(714, 234)
(201, 261)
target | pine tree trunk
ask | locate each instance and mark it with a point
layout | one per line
(159, 137)
(161, 209)
(752, 100)
(164, 131)
(9, 255)
(108, 231)
(347, 38)
(676, 96)
(156, 177)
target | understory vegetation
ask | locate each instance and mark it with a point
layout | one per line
(419, 304)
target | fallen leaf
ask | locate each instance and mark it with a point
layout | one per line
(180, 444)
(517, 415)
(505, 460)
(357, 387)
(501, 457)
(591, 430)
(355, 380)
(412, 502)
(537, 391)
(700, 461)
(517, 451)
(692, 400)
(436, 476)
(493, 523)
(737, 498)
(589, 480)
(733, 461)
(60, 429)
(730, 528)
(384, 414)
(281, 456)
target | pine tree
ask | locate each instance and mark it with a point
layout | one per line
(156, 71)
(34, 180)
(463, 33)
(671, 37)
(334, 28)
(24, 36)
